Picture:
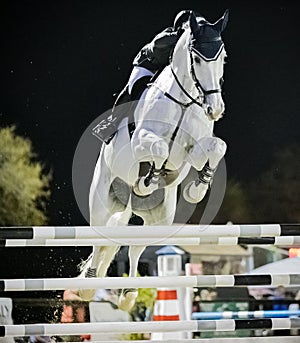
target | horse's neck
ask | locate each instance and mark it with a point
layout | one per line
(195, 122)
(167, 83)
(179, 66)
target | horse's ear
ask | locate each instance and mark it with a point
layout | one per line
(222, 22)
(193, 23)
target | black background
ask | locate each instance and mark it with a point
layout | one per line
(62, 61)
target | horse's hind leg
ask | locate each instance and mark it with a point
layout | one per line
(205, 157)
(98, 265)
(101, 259)
(128, 296)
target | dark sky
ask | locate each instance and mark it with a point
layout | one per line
(61, 62)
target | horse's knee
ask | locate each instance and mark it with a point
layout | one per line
(210, 149)
(149, 147)
(218, 150)
(160, 152)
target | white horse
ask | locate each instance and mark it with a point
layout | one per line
(174, 121)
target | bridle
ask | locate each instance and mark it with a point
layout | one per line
(203, 93)
(197, 83)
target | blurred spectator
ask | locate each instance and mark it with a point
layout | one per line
(208, 294)
(295, 307)
(73, 312)
(279, 296)
(280, 305)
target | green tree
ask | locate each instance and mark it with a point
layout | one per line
(24, 186)
(275, 195)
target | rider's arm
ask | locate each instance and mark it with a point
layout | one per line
(161, 47)
(166, 38)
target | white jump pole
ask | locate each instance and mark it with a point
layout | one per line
(92, 232)
(149, 281)
(158, 241)
(151, 326)
(271, 339)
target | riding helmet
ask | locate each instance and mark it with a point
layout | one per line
(181, 18)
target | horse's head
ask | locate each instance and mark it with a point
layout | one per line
(205, 62)
(207, 54)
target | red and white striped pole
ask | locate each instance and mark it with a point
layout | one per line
(167, 305)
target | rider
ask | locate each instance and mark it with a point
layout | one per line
(152, 58)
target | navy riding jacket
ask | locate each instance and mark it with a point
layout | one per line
(156, 54)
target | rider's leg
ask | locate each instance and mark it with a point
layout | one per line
(134, 92)
(137, 83)
(137, 74)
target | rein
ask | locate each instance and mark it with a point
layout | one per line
(193, 100)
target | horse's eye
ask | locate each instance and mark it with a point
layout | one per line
(197, 59)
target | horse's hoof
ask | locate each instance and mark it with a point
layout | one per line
(87, 294)
(141, 190)
(127, 299)
(194, 194)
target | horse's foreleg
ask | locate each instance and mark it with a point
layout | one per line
(129, 295)
(205, 157)
(149, 183)
(195, 190)
(149, 147)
